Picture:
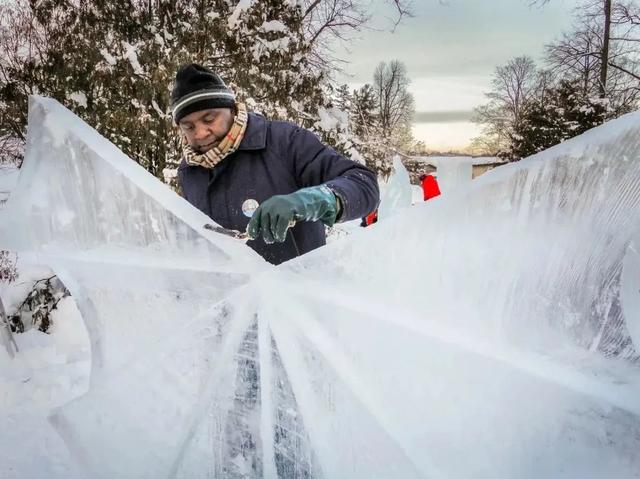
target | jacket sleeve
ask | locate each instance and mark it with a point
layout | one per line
(315, 164)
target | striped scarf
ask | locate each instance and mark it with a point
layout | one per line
(227, 145)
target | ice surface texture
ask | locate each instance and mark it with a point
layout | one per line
(486, 333)
(397, 193)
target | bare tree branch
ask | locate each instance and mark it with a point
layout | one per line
(395, 103)
(624, 70)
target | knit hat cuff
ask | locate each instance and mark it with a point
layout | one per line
(202, 100)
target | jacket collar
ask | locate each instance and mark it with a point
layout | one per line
(255, 136)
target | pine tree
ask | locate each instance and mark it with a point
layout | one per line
(344, 98)
(368, 131)
(364, 105)
(113, 62)
(564, 112)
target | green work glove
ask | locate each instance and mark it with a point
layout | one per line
(277, 214)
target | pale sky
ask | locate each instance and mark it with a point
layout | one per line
(451, 49)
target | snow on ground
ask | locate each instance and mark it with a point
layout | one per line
(48, 371)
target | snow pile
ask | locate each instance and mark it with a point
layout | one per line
(108, 57)
(491, 323)
(273, 26)
(78, 97)
(42, 360)
(240, 8)
(49, 371)
(332, 119)
(131, 54)
(169, 175)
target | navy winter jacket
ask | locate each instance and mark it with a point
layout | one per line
(276, 158)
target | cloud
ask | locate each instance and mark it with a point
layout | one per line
(444, 136)
(452, 116)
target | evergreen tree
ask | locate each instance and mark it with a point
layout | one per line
(113, 62)
(344, 98)
(364, 107)
(562, 113)
(368, 132)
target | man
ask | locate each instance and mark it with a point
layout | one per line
(232, 159)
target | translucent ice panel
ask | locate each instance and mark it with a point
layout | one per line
(490, 332)
(77, 194)
(453, 172)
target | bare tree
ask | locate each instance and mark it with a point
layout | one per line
(577, 56)
(511, 87)
(625, 14)
(604, 51)
(583, 52)
(596, 15)
(326, 21)
(395, 102)
(573, 56)
(625, 34)
(606, 36)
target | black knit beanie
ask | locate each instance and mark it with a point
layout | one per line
(198, 88)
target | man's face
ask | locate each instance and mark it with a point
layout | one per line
(204, 129)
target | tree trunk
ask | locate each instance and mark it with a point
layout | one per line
(604, 61)
(6, 336)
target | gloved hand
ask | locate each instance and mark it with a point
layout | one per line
(277, 214)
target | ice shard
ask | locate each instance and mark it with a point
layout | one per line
(84, 207)
(397, 194)
(490, 332)
(453, 172)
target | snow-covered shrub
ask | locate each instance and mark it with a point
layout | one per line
(35, 310)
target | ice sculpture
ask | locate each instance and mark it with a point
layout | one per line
(453, 172)
(630, 292)
(488, 333)
(397, 194)
(137, 258)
